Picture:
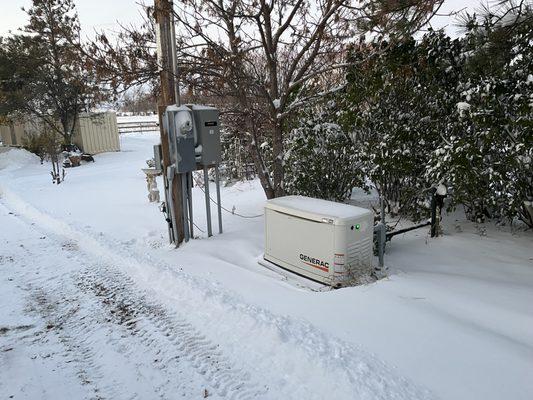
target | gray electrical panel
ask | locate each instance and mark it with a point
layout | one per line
(194, 143)
(178, 122)
(207, 134)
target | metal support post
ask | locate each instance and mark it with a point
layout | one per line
(207, 202)
(184, 201)
(219, 204)
(189, 195)
(381, 237)
(382, 234)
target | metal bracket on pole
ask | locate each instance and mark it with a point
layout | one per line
(167, 210)
(171, 173)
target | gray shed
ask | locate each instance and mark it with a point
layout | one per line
(97, 133)
(94, 132)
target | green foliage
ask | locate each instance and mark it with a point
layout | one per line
(321, 160)
(46, 144)
(237, 162)
(35, 144)
(488, 158)
(453, 112)
(397, 105)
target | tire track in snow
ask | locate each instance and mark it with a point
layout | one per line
(149, 320)
(178, 344)
(72, 326)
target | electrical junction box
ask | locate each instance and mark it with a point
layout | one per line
(326, 241)
(179, 124)
(207, 134)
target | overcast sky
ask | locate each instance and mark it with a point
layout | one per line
(104, 14)
(93, 14)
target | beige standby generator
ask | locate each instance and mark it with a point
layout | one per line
(325, 241)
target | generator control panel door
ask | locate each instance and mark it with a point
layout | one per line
(299, 244)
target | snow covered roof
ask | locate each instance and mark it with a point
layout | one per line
(316, 209)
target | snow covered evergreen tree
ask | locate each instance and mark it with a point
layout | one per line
(398, 104)
(487, 157)
(48, 78)
(453, 112)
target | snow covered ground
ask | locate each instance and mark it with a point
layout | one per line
(95, 304)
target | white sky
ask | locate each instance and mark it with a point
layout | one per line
(104, 14)
(93, 14)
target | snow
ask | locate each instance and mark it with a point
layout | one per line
(17, 158)
(316, 208)
(442, 190)
(451, 320)
(183, 119)
(463, 106)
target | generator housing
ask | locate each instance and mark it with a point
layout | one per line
(322, 240)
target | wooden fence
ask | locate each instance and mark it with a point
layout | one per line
(138, 126)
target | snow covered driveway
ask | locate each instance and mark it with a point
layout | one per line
(78, 324)
(80, 329)
(95, 304)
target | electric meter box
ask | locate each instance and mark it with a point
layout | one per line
(178, 123)
(326, 241)
(207, 135)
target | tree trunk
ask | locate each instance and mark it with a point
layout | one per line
(277, 148)
(259, 163)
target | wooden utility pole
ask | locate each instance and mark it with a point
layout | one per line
(163, 12)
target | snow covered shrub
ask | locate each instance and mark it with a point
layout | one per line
(397, 105)
(237, 163)
(47, 145)
(321, 160)
(487, 157)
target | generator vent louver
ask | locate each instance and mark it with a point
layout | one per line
(359, 253)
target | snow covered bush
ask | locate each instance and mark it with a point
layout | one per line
(453, 112)
(237, 164)
(47, 145)
(487, 157)
(397, 105)
(321, 160)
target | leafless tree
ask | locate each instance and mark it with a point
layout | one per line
(138, 100)
(260, 61)
(274, 57)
